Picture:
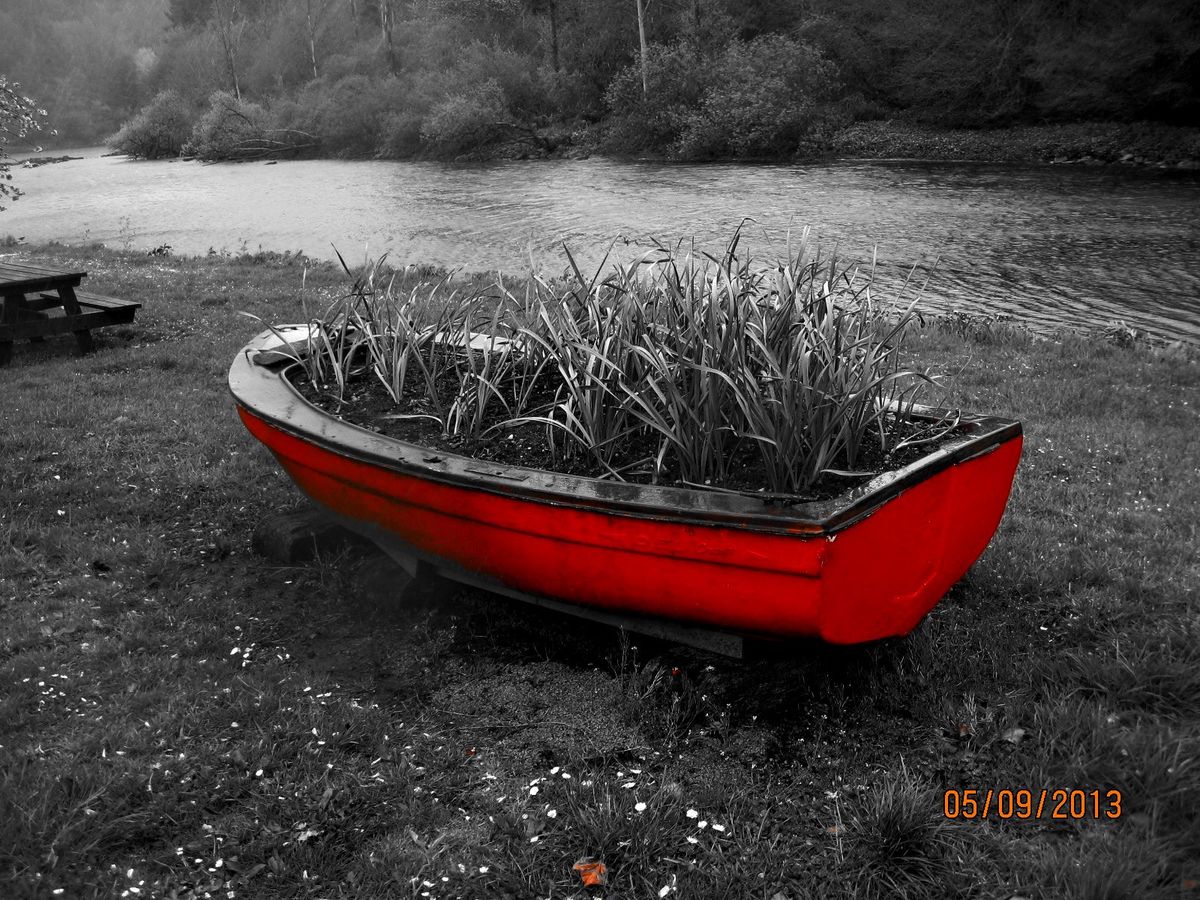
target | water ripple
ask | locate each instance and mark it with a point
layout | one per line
(1049, 246)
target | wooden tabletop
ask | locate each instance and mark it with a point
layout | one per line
(28, 278)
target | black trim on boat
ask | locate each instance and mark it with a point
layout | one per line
(264, 389)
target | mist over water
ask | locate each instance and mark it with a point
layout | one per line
(1050, 245)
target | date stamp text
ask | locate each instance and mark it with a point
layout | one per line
(1023, 804)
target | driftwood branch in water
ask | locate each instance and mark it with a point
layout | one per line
(269, 147)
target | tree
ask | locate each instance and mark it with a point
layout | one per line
(161, 129)
(641, 14)
(766, 98)
(230, 26)
(553, 10)
(229, 129)
(387, 25)
(652, 119)
(19, 115)
(549, 8)
(462, 121)
(314, 14)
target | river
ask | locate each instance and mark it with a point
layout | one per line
(1046, 245)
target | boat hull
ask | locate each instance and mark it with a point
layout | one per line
(855, 569)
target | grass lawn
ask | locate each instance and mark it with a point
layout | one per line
(182, 718)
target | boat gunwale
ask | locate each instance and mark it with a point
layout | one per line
(265, 390)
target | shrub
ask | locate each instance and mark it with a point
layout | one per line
(572, 95)
(160, 129)
(654, 120)
(400, 135)
(464, 121)
(452, 108)
(345, 115)
(229, 129)
(19, 115)
(415, 92)
(767, 97)
(524, 90)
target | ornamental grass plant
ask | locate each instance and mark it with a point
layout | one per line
(700, 363)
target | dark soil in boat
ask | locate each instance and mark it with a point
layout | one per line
(366, 403)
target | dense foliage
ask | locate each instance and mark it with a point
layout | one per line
(19, 116)
(229, 129)
(723, 78)
(161, 129)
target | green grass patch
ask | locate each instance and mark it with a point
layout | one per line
(185, 719)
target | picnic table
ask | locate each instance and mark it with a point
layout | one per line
(36, 301)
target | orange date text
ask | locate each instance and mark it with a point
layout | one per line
(1030, 804)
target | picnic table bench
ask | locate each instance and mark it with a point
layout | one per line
(36, 301)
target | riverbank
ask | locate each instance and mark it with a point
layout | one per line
(1139, 144)
(1096, 143)
(1142, 145)
(183, 717)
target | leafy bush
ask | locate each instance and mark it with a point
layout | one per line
(466, 120)
(346, 115)
(676, 78)
(416, 92)
(572, 95)
(160, 129)
(517, 75)
(767, 97)
(230, 129)
(400, 134)
(453, 107)
(19, 115)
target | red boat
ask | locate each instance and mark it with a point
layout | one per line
(865, 565)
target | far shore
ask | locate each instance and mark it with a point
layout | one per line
(1143, 144)
(1146, 145)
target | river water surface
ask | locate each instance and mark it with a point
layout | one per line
(1047, 245)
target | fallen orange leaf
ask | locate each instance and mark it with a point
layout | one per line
(591, 872)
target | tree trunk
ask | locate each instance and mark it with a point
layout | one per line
(230, 46)
(229, 31)
(642, 40)
(312, 21)
(554, 35)
(387, 21)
